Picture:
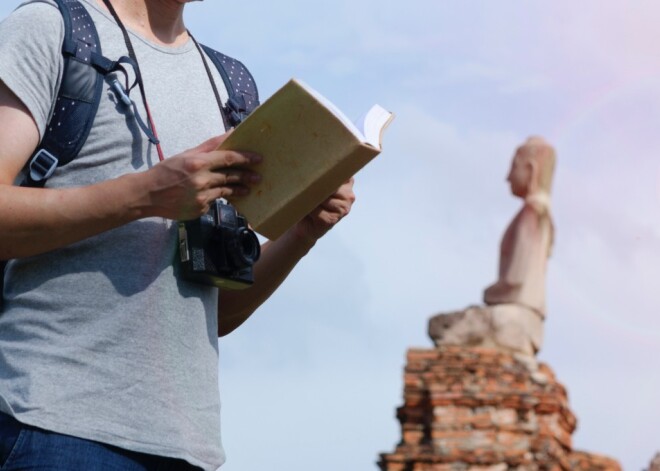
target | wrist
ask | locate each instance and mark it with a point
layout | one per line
(138, 200)
(300, 239)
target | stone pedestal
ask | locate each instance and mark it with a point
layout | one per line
(479, 409)
(507, 327)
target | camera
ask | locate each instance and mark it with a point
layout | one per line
(218, 249)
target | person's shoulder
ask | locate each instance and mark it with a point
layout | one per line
(38, 12)
(34, 21)
(47, 7)
(31, 55)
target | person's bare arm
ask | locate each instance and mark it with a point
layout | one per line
(35, 221)
(279, 257)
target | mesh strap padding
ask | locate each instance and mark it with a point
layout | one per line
(238, 80)
(80, 91)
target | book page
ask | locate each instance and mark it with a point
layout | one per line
(368, 128)
(373, 123)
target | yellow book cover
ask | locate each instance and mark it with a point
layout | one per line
(309, 149)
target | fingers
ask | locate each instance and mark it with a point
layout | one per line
(221, 167)
(340, 207)
(221, 159)
(230, 182)
(342, 200)
(233, 177)
(209, 145)
(200, 204)
(209, 185)
(225, 175)
(183, 186)
(228, 191)
(334, 208)
(207, 155)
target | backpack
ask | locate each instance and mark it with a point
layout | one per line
(79, 95)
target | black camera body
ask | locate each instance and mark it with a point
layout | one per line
(218, 249)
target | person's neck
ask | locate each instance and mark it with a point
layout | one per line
(160, 21)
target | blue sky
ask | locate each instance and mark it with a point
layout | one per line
(313, 379)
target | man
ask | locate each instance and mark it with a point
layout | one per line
(108, 359)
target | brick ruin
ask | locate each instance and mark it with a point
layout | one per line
(480, 409)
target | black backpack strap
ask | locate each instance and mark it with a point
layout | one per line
(241, 87)
(78, 97)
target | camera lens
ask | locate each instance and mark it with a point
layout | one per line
(248, 248)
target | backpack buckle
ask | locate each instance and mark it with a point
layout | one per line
(42, 165)
(236, 109)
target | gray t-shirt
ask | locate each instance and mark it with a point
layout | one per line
(101, 339)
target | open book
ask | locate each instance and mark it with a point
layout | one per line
(309, 148)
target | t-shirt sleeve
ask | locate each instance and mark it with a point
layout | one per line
(31, 57)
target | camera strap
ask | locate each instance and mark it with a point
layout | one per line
(124, 95)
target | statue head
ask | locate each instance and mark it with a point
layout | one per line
(532, 168)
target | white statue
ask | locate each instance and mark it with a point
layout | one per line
(527, 242)
(512, 319)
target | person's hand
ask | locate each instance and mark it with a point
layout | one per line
(324, 217)
(184, 186)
